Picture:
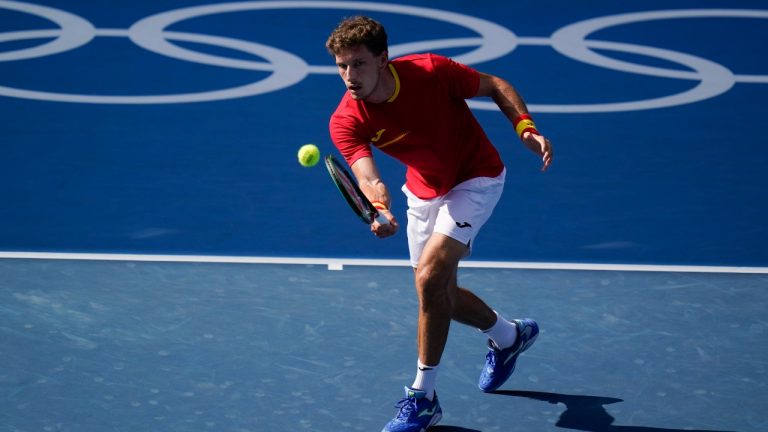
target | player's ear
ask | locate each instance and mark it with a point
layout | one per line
(383, 59)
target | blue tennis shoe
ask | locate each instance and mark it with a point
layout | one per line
(416, 414)
(500, 363)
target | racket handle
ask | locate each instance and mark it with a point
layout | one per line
(380, 218)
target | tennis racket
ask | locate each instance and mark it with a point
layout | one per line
(352, 193)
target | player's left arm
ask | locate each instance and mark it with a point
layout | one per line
(512, 105)
(369, 180)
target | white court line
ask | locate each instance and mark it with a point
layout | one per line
(339, 263)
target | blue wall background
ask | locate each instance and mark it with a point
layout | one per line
(678, 185)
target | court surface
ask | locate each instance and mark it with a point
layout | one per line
(166, 265)
(98, 345)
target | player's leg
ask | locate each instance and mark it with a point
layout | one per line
(465, 210)
(435, 280)
(435, 272)
(461, 215)
(471, 310)
(506, 339)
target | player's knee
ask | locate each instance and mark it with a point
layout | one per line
(432, 285)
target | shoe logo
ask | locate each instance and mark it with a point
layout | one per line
(524, 336)
(526, 333)
(463, 225)
(428, 412)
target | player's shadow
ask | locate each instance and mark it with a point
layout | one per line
(451, 429)
(587, 413)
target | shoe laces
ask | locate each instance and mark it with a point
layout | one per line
(491, 358)
(407, 407)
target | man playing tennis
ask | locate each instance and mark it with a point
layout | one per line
(413, 109)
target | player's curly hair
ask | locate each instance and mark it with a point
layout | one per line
(358, 30)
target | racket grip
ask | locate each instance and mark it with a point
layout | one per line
(380, 218)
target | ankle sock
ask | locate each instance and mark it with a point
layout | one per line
(503, 333)
(425, 379)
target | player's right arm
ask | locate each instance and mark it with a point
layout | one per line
(512, 105)
(369, 180)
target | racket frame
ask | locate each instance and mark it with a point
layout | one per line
(352, 193)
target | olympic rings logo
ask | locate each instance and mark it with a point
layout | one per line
(286, 69)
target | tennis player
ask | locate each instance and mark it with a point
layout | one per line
(413, 108)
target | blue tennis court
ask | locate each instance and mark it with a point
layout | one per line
(165, 264)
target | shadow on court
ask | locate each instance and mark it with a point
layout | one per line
(451, 429)
(587, 413)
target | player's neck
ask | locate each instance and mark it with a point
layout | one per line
(385, 87)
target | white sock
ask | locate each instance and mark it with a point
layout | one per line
(425, 379)
(503, 333)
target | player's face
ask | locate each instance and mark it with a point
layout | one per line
(361, 71)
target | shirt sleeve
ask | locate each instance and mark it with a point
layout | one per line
(348, 139)
(461, 81)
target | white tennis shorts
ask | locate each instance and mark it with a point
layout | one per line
(459, 214)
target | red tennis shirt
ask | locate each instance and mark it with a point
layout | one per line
(426, 125)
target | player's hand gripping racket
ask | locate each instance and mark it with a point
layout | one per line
(352, 193)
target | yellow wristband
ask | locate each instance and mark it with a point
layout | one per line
(525, 125)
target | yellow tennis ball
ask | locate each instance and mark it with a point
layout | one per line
(309, 155)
